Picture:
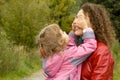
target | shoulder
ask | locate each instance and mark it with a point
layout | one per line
(101, 55)
(101, 45)
(102, 49)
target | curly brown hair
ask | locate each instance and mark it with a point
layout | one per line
(100, 21)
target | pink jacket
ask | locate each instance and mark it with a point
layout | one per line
(64, 66)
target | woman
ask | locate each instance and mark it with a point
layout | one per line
(98, 66)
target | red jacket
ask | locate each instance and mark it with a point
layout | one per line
(99, 66)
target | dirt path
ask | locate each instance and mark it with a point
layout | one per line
(36, 76)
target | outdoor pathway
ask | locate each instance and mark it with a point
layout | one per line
(36, 76)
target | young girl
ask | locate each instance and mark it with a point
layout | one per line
(60, 54)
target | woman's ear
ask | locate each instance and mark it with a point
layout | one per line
(61, 41)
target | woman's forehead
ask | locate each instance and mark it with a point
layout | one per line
(80, 13)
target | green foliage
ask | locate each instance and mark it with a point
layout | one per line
(15, 62)
(9, 59)
(22, 19)
(116, 53)
(60, 12)
(3, 1)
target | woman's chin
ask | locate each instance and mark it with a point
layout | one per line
(78, 33)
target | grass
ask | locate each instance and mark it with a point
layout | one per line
(29, 62)
(27, 66)
(15, 61)
(116, 54)
(25, 70)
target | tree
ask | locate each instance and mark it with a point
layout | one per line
(61, 13)
(9, 58)
(22, 19)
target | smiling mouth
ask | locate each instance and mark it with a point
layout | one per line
(77, 28)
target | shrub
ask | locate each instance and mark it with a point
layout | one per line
(9, 58)
(116, 53)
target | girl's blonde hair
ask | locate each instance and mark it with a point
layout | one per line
(48, 40)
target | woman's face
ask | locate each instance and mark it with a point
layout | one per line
(78, 23)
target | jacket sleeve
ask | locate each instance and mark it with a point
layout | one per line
(78, 54)
(52, 65)
(89, 45)
(103, 65)
(76, 38)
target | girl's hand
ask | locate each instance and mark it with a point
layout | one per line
(83, 23)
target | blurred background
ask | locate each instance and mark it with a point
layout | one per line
(21, 21)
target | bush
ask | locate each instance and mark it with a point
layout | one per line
(116, 53)
(9, 59)
(22, 19)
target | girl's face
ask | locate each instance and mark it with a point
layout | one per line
(78, 23)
